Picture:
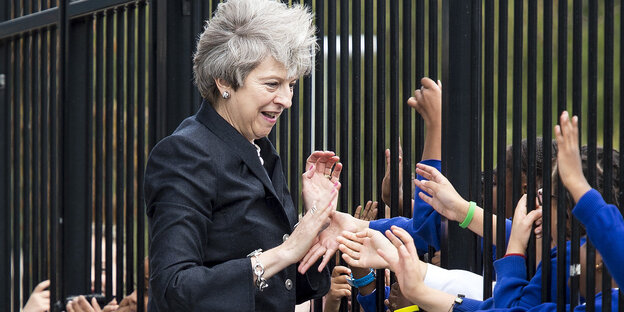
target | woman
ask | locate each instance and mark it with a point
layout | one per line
(215, 191)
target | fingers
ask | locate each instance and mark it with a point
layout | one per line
(405, 237)
(95, 305)
(339, 270)
(41, 286)
(350, 260)
(534, 215)
(326, 258)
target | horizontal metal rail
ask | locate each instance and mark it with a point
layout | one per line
(49, 17)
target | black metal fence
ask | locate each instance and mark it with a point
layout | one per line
(87, 87)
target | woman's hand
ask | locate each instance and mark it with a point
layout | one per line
(309, 227)
(360, 249)
(521, 227)
(443, 196)
(569, 158)
(80, 304)
(321, 176)
(39, 300)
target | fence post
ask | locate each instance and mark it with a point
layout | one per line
(5, 235)
(75, 152)
(458, 246)
(175, 42)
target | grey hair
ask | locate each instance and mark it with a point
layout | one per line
(242, 33)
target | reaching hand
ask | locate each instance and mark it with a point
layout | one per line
(428, 102)
(339, 286)
(39, 300)
(386, 188)
(327, 245)
(360, 249)
(443, 196)
(80, 304)
(321, 177)
(368, 213)
(406, 265)
(569, 157)
(521, 227)
(396, 300)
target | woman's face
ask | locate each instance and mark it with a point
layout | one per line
(255, 107)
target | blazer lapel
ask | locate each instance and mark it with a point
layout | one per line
(232, 138)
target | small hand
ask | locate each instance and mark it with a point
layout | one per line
(521, 227)
(39, 300)
(360, 249)
(569, 158)
(396, 300)
(368, 213)
(339, 286)
(406, 266)
(386, 189)
(81, 304)
(428, 102)
(443, 196)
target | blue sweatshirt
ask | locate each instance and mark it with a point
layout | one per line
(552, 307)
(605, 229)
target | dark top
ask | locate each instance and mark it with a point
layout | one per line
(210, 203)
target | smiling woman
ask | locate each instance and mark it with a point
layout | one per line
(215, 191)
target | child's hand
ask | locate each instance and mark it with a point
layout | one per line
(428, 102)
(521, 227)
(360, 249)
(407, 266)
(368, 213)
(569, 158)
(39, 300)
(444, 198)
(339, 286)
(386, 189)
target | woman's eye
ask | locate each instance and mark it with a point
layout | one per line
(272, 84)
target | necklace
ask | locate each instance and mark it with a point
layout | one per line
(258, 150)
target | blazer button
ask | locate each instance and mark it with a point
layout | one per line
(288, 284)
(285, 237)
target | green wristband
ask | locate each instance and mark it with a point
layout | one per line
(471, 210)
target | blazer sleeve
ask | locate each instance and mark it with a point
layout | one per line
(180, 214)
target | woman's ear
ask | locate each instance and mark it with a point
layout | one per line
(223, 85)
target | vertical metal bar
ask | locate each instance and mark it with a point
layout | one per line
(319, 73)
(293, 145)
(5, 180)
(26, 210)
(592, 116)
(17, 53)
(501, 133)
(142, 109)
(547, 150)
(36, 164)
(74, 131)
(55, 288)
(130, 146)
(345, 117)
(394, 109)
(120, 37)
(109, 151)
(407, 110)
(433, 39)
(381, 127)
(368, 97)
(607, 156)
(307, 101)
(475, 116)
(419, 47)
(331, 75)
(90, 78)
(531, 126)
(458, 61)
(44, 156)
(517, 100)
(488, 148)
(99, 149)
(621, 140)
(562, 56)
(356, 106)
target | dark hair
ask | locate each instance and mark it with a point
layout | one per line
(524, 157)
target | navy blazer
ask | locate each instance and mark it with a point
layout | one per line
(210, 202)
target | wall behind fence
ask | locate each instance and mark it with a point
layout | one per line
(87, 88)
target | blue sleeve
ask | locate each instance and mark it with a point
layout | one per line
(513, 289)
(605, 229)
(425, 224)
(367, 302)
